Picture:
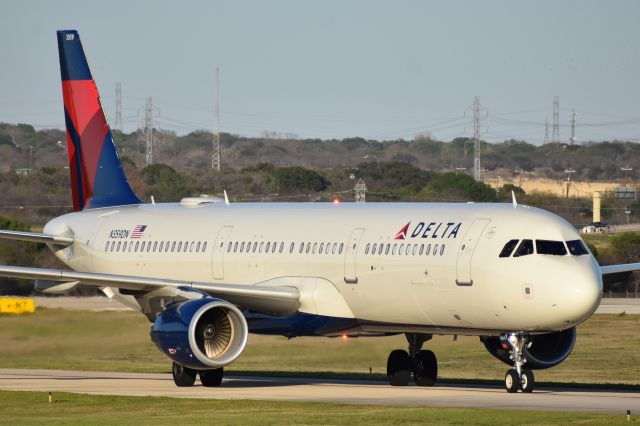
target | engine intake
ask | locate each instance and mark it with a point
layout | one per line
(542, 351)
(201, 334)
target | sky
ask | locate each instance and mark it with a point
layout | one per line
(335, 69)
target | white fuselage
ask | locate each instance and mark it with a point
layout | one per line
(443, 273)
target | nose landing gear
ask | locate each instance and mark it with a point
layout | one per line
(518, 378)
(422, 363)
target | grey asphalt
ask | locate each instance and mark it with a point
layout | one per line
(320, 390)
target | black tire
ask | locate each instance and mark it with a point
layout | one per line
(183, 376)
(425, 369)
(211, 378)
(527, 381)
(512, 381)
(399, 368)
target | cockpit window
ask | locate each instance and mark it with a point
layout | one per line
(508, 248)
(553, 248)
(525, 248)
(576, 248)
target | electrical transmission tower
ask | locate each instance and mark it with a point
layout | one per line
(148, 129)
(118, 123)
(215, 157)
(555, 137)
(572, 121)
(569, 172)
(360, 191)
(479, 112)
(546, 130)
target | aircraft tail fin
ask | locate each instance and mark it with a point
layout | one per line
(97, 176)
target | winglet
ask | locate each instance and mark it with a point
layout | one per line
(226, 199)
(513, 199)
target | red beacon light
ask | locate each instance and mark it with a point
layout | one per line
(335, 200)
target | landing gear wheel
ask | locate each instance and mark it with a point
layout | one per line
(399, 368)
(183, 376)
(211, 378)
(425, 369)
(512, 381)
(527, 381)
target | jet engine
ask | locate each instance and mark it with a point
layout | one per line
(542, 350)
(201, 334)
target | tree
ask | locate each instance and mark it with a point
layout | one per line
(296, 179)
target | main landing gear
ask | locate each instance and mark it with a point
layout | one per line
(422, 363)
(518, 378)
(185, 377)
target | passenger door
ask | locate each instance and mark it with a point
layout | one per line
(217, 261)
(351, 251)
(465, 252)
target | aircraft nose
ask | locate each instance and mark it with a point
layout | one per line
(585, 290)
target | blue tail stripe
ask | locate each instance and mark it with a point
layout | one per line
(75, 139)
(73, 65)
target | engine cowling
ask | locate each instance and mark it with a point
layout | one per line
(201, 334)
(542, 351)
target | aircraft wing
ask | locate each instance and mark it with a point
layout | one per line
(616, 269)
(36, 237)
(273, 299)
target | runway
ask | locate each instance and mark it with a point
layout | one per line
(319, 390)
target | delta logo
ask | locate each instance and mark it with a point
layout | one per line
(430, 230)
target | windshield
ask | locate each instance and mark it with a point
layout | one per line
(577, 248)
(553, 248)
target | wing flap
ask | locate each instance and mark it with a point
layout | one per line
(277, 300)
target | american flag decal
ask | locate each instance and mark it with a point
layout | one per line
(138, 231)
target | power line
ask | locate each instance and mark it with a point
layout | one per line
(118, 123)
(148, 129)
(215, 157)
(555, 138)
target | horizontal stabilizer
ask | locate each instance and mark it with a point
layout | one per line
(276, 300)
(36, 237)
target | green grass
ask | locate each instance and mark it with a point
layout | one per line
(33, 408)
(606, 350)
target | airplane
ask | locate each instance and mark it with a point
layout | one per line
(207, 272)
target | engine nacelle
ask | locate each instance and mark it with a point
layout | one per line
(201, 334)
(542, 351)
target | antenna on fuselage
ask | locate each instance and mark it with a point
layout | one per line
(226, 199)
(513, 199)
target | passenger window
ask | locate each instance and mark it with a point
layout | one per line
(524, 249)
(366, 249)
(242, 247)
(204, 246)
(386, 250)
(266, 250)
(308, 248)
(193, 243)
(435, 249)
(301, 248)
(553, 248)
(393, 250)
(421, 249)
(508, 248)
(155, 246)
(228, 246)
(415, 247)
(179, 246)
(166, 247)
(261, 246)
(281, 247)
(186, 246)
(576, 248)
(380, 247)
(401, 250)
(161, 245)
(291, 247)
(340, 249)
(335, 246)
(142, 246)
(173, 246)
(235, 247)
(255, 246)
(315, 246)
(426, 253)
(106, 247)
(321, 249)
(113, 244)
(441, 250)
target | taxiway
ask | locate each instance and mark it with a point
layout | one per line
(320, 390)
